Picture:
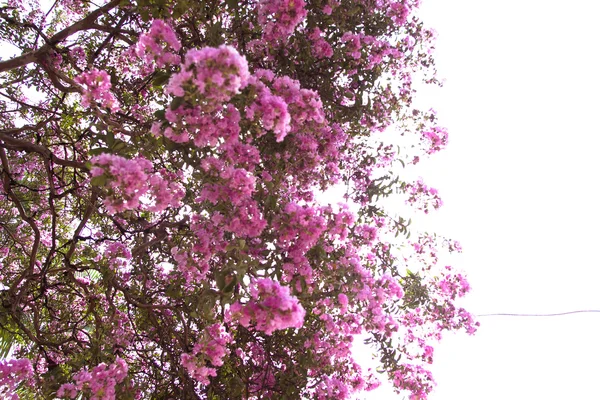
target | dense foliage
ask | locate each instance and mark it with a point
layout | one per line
(164, 233)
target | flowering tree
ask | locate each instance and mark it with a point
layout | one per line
(161, 230)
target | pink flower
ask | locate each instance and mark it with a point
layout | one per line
(422, 196)
(12, 373)
(280, 17)
(128, 180)
(272, 111)
(435, 139)
(157, 43)
(320, 47)
(96, 87)
(271, 307)
(214, 74)
(210, 350)
(99, 384)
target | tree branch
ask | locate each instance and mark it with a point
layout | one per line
(38, 55)
(24, 145)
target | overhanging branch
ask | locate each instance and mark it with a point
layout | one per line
(38, 55)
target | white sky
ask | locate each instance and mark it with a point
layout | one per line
(519, 182)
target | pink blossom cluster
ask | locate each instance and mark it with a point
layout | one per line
(399, 11)
(366, 233)
(99, 383)
(191, 267)
(164, 191)
(435, 139)
(320, 46)
(236, 184)
(121, 333)
(415, 379)
(74, 9)
(271, 110)
(54, 59)
(332, 349)
(300, 225)
(427, 246)
(96, 88)
(344, 383)
(204, 129)
(210, 76)
(117, 254)
(376, 292)
(423, 197)
(280, 18)
(304, 104)
(160, 45)
(208, 79)
(77, 53)
(271, 307)
(352, 44)
(313, 146)
(340, 221)
(453, 284)
(12, 373)
(253, 354)
(425, 324)
(233, 186)
(390, 286)
(207, 354)
(377, 50)
(129, 180)
(298, 229)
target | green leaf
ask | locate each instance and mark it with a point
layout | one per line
(173, 291)
(231, 285)
(7, 340)
(110, 138)
(118, 146)
(160, 79)
(99, 180)
(220, 281)
(177, 101)
(100, 150)
(160, 115)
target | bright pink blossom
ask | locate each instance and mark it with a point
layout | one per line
(128, 180)
(96, 87)
(270, 308)
(280, 17)
(156, 45)
(98, 384)
(12, 373)
(207, 354)
(213, 75)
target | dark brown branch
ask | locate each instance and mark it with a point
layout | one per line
(161, 235)
(86, 216)
(117, 32)
(54, 76)
(38, 55)
(24, 145)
